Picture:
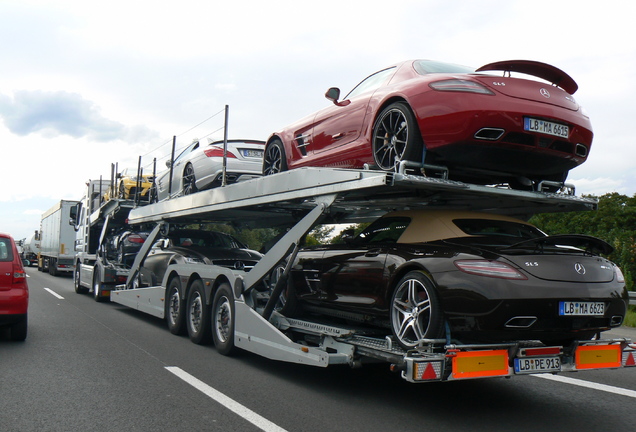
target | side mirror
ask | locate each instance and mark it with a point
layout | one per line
(333, 94)
(168, 163)
(347, 235)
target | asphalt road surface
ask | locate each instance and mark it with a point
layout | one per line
(89, 366)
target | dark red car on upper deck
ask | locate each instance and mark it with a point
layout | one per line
(481, 127)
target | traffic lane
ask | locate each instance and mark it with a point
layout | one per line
(300, 397)
(75, 373)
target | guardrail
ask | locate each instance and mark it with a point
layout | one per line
(632, 298)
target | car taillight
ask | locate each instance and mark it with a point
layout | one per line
(460, 85)
(214, 151)
(135, 239)
(619, 274)
(490, 269)
(19, 274)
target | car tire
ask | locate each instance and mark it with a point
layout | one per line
(98, 287)
(18, 331)
(175, 307)
(79, 289)
(415, 310)
(198, 315)
(396, 137)
(274, 160)
(223, 320)
(189, 180)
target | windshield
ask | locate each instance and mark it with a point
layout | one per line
(424, 67)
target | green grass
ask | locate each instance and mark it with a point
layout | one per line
(630, 318)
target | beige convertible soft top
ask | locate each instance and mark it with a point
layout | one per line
(431, 225)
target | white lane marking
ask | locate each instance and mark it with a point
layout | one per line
(231, 404)
(54, 293)
(588, 384)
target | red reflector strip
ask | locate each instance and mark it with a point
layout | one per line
(477, 364)
(598, 356)
(531, 352)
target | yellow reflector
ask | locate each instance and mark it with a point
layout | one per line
(598, 356)
(476, 364)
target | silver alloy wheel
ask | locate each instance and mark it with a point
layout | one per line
(189, 180)
(223, 319)
(195, 315)
(174, 306)
(411, 312)
(390, 139)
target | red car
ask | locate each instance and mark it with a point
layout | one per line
(14, 292)
(460, 122)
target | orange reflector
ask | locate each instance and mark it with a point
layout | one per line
(598, 356)
(476, 364)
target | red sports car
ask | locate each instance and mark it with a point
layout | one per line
(450, 120)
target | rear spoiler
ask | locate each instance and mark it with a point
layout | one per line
(588, 243)
(541, 70)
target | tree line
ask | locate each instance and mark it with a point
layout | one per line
(614, 222)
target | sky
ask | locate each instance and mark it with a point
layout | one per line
(85, 84)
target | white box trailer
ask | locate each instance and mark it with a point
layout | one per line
(57, 239)
(304, 198)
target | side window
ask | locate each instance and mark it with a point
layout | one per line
(371, 83)
(384, 230)
(5, 250)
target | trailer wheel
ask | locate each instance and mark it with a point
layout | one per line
(274, 160)
(396, 137)
(52, 267)
(223, 320)
(174, 307)
(98, 287)
(79, 289)
(415, 310)
(198, 316)
(189, 180)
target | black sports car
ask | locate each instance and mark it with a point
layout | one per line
(196, 246)
(464, 275)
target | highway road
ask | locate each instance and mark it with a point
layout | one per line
(89, 366)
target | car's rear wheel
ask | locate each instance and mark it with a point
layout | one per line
(223, 319)
(396, 137)
(189, 180)
(18, 331)
(415, 310)
(198, 318)
(174, 307)
(274, 160)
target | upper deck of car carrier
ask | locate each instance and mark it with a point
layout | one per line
(359, 195)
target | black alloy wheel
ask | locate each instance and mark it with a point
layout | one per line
(396, 137)
(274, 160)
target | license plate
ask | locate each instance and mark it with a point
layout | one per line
(252, 153)
(545, 127)
(537, 364)
(573, 308)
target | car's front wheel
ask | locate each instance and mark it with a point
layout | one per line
(274, 160)
(415, 310)
(396, 137)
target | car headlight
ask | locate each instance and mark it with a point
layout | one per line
(193, 260)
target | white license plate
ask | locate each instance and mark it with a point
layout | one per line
(545, 127)
(574, 308)
(252, 153)
(537, 364)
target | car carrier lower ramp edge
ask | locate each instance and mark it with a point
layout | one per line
(299, 200)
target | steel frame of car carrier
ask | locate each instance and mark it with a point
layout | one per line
(305, 197)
